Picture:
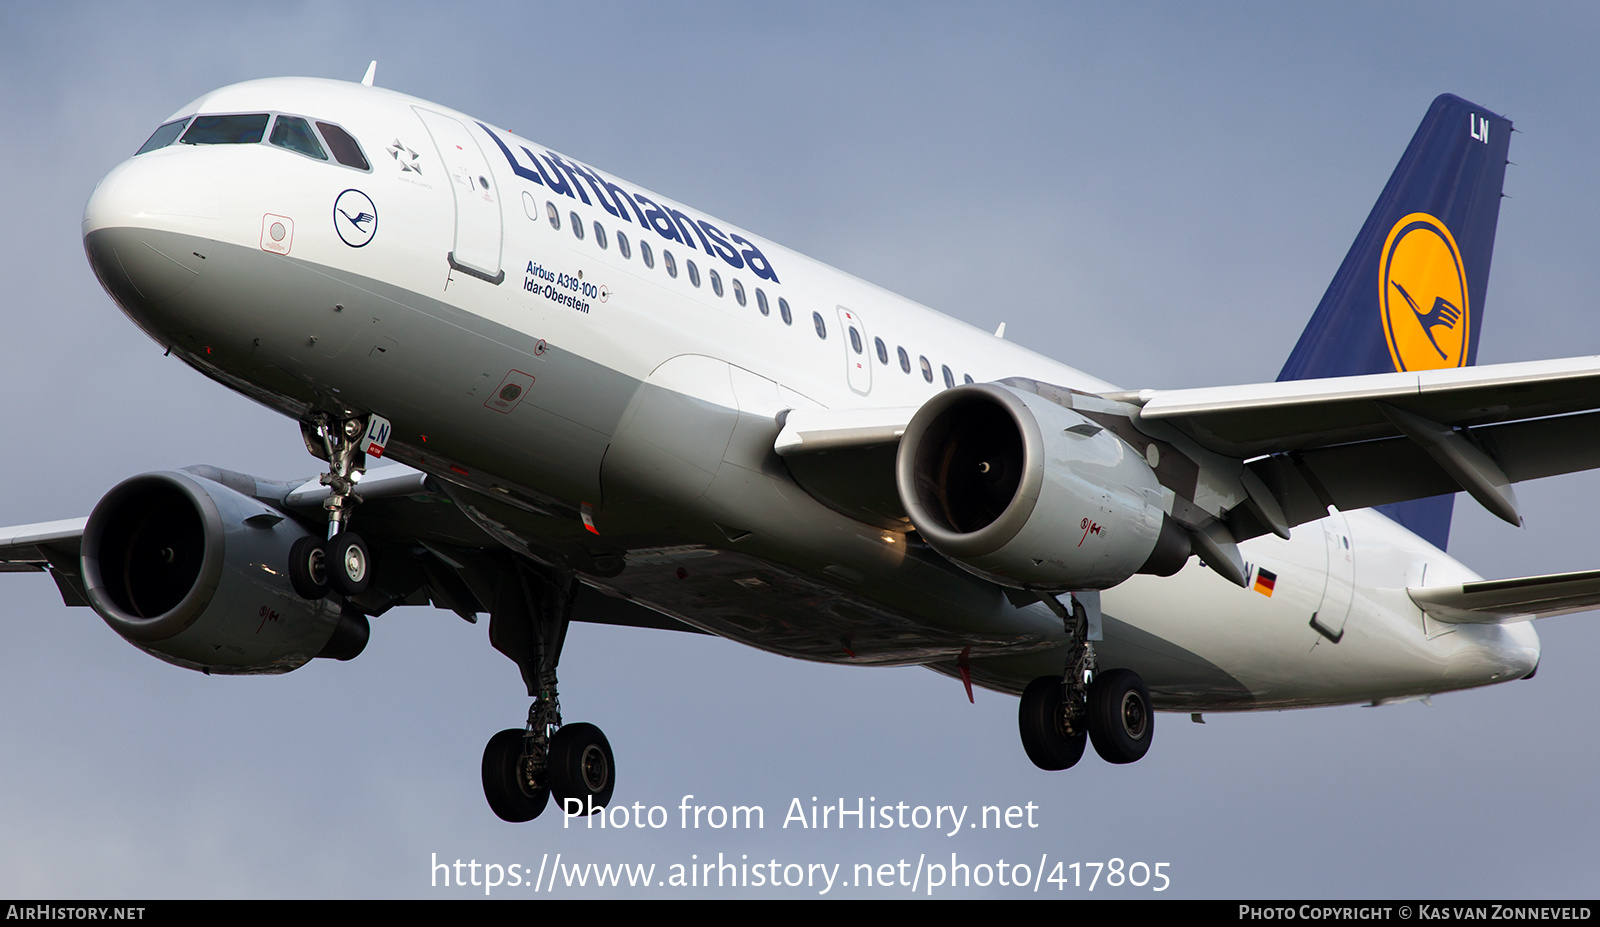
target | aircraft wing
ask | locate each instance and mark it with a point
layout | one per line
(1355, 442)
(1501, 600)
(816, 431)
(1349, 442)
(441, 548)
(44, 546)
(1266, 418)
(23, 548)
(845, 459)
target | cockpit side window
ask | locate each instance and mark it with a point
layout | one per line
(295, 134)
(164, 136)
(226, 130)
(345, 149)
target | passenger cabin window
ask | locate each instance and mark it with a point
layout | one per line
(855, 340)
(949, 378)
(669, 262)
(738, 291)
(577, 225)
(716, 282)
(622, 245)
(927, 368)
(600, 235)
(295, 134)
(163, 136)
(883, 350)
(822, 329)
(345, 149)
(905, 359)
(554, 214)
(646, 255)
(226, 130)
(761, 302)
(694, 273)
(783, 310)
(966, 378)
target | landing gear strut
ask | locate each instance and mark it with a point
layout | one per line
(340, 563)
(522, 769)
(1059, 714)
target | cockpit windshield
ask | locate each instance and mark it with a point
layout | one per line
(344, 147)
(164, 136)
(226, 130)
(295, 134)
(292, 133)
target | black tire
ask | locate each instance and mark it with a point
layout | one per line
(503, 784)
(582, 768)
(349, 564)
(308, 568)
(1121, 721)
(1041, 719)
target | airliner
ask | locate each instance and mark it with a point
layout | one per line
(599, 404)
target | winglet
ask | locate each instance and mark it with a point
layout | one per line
(372, 72)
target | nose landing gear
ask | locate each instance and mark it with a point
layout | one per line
(341, 563)
(350, 564)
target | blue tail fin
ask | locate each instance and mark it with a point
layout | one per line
(1409, 295)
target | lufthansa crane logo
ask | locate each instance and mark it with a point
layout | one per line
(1427, 312)
(355, 218)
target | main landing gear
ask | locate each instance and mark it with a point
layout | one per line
(1059, 714)
(523, 768)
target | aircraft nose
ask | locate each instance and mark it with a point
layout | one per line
(105, 208)
(124, 232)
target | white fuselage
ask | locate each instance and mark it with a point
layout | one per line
(594, 327)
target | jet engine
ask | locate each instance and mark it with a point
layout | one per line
(195, 573)
(1031, 494)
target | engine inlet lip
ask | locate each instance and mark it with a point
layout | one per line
(1009, 523)
(188, 609)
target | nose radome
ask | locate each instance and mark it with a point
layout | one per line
(122, 235)
(105, 209)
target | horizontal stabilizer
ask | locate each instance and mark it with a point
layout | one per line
(1500, 600)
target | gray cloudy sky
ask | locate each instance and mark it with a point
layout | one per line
(1157, 194)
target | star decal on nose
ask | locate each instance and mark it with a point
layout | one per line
(408, 159)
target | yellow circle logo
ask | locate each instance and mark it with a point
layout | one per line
(1427, 316)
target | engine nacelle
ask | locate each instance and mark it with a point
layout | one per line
(1027, 493)
(195, 573)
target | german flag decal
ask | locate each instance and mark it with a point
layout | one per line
(1265, 581)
